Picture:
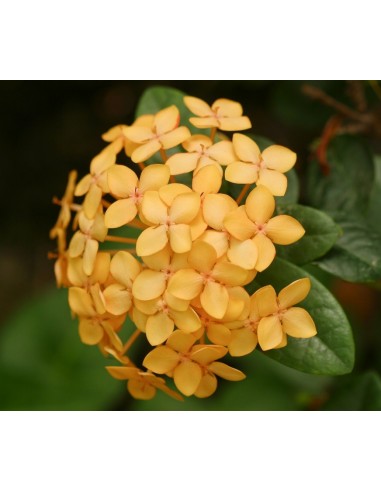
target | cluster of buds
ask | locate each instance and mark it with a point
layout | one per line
(181, 273)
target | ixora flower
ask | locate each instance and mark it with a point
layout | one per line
(185, 278)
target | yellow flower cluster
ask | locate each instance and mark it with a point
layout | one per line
(182, 280)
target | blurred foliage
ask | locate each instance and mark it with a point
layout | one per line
(48, 128)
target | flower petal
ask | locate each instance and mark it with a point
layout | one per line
(187, 321)
(83, 185)
(205, 354)
(298, 323)
(80, 302)
(122, 373)
(181, 341)
(260, 205)
(182, 163)
(215, 209)
(120, 213)
(218, 333)
(207, 386)
(207, 122)
(218, 240)
(266, 301)
(223, 152)
(139, 134)
(151, 240)
(187, 377)
(266, 252)
(166, 119)
(148, 285)
(184, 208)
(180, 238)
(77, 244)
(229, 274)
(284, 229)
(279, 158)
(243, 253)
(124, 268)
(226, 372)
(214, 299)
(117, 299)
(89, 256)
(243, 341)
(161, 360)
(246, 149)
(90, 332)
(102, 162)
(92, 201)
(269, 332)
(185, 284)
(207, 180)
(154, 177)
(145, 151)
(294, 293)
(202, 257)
(175, 137)
(158, 328)
(153, 208)
(122, 181)
(274, 181)
(235, 124)
(241, 173)
(160, 260)
(238, 224)
(197, 106)
(227, 107)
(141, 390)
(170, 191)
(196, 143)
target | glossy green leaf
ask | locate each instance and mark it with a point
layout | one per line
(331, 351)
(348, 185)
(321, 234)
(356, 256)
(374, 207)
(361, 392)
(44, 365)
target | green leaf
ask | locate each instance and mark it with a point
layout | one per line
(356, 256)
(348, 185)
(358, 393)
(268, 386)
(374, 207)
(331, 351)
(321, 234)
(44, 365)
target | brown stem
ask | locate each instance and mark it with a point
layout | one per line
(243, 193)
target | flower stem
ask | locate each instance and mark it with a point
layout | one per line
(130, 341)
(243, 193)
(117, 239)
(163, 155)
(213, 132)
(141, 165)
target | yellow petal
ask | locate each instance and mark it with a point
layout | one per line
(139, 134)
(227, 107)
(223, 152)
(161, 360)
(101, 268)
(215, 208)
(284, 229)
(279, 158)
(83, 185)
(214, 299)
(140, 319)
(122, 181)
(153, 177)
(182, 163)
(141, 390)
(90, 332)
(166, 120)
(207, 180)
(175, 303)
(196, 143)
(148, 285)
(145, 151)
(238, 304)
(207, 386)
(246, 149)
(151, 240)
(180, 238)
(187, 321)
(243, 342)
(187, 377)
(80, 302)
(117, 299)
(202, 257)
(184, 208)
(235, 124)
(113, 337)
(153, 208)
(124, 268)
(283, 343)
(197, 106)
(241, 173)
(169, 192)
(102, 162)
(218, 240)
(298, 323)
(274, 181)
(238, 224)
(160, 260)
(243, 253)
(266, 301)
(205, 354)
(266, 252)
(229, 274)
(185, 284)
(89, 255)
(294, 293)
(207, 122)
(158, 328)
(269, 332)
(122, 373)
(98, 299)
(218, 333)
(260, 205)
(77, 244)
(181, 341)
(120, 213)
(226, 372)
(114, 133)
(175, 137)
(198, 225)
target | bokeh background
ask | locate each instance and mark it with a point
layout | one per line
(49, 128)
